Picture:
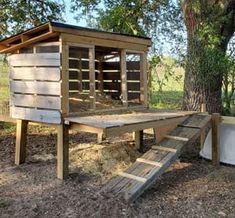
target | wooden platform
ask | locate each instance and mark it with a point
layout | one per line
(116, 124)
(147, 169)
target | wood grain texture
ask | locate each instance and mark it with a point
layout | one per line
(62, 151)
(123, 78)
(21, 140)
(36, 87)
(47, 59)
(32, 73)
(47, 102)
(92, 77)
(151, 165)
(143, 79)
(215, 122)
(44, 116)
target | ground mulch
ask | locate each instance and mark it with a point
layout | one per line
(192, 187)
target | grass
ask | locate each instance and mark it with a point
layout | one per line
(4, 82)
(171, 95)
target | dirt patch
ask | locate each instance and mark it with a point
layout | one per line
(192, 187)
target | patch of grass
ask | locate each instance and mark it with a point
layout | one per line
(4, 82)
(171, 95)
(4, 203)
(167, 100)
(7, 128)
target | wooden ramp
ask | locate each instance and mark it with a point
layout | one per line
(150, 166)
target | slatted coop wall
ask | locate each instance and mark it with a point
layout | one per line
(108, 81)
(35, 83)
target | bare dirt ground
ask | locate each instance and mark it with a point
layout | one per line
(192, 187)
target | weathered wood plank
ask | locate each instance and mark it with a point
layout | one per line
(103, 42)
(35, 87)
(160, 159)
(21, 140)
(92, 77)
(44, 116)
(47, 59)
(138, 136)
(143, 79)
(197, 121)
(48, 102)
(62, 151)
(215, 121)
(38, 73)
(64, 89)
(123, 77)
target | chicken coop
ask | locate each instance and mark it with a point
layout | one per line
(59, 70)
(94, 81)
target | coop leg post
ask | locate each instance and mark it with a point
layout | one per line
(21, 140)
(62, 151)
(215, 119)
(100, 138)
(202, 137)
(138, 135)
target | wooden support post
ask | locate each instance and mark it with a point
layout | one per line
(92, 77)
(21, 140)
(203, 131)
(100, 75)
(138, 136)
(80, 72)
(62, 151)
(124, 78)
(143, 79)
(215, 119)
(100, 138)
(203, 108)
(64, 50)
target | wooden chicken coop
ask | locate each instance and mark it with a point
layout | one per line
(59, 70)
(92, 81)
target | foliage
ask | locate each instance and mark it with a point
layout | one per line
(165, 82)
(18, 15)
(209, 28)
(229, 86)
(160, 19)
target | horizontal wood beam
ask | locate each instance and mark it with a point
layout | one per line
(115, 131)
(103, 42)
(103, 35)
(28, 42)
(28, 32)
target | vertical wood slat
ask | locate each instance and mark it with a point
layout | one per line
(124, 78)
(62, 151)
(100, 75)
(215, 121)
(80, 72)
(143, 79)
(21, 140)
(92, 77)
(64, 50)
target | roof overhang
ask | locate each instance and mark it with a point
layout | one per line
(53, 29)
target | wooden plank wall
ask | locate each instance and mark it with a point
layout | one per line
(35, 84)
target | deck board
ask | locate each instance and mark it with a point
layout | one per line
(117, 124)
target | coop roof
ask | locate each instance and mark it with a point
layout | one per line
(51, 30)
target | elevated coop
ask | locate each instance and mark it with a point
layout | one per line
(66, 76)
(59, 70)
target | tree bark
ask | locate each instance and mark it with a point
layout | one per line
(203, 73)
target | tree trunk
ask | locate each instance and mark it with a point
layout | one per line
(199, 88)
(210, 25)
